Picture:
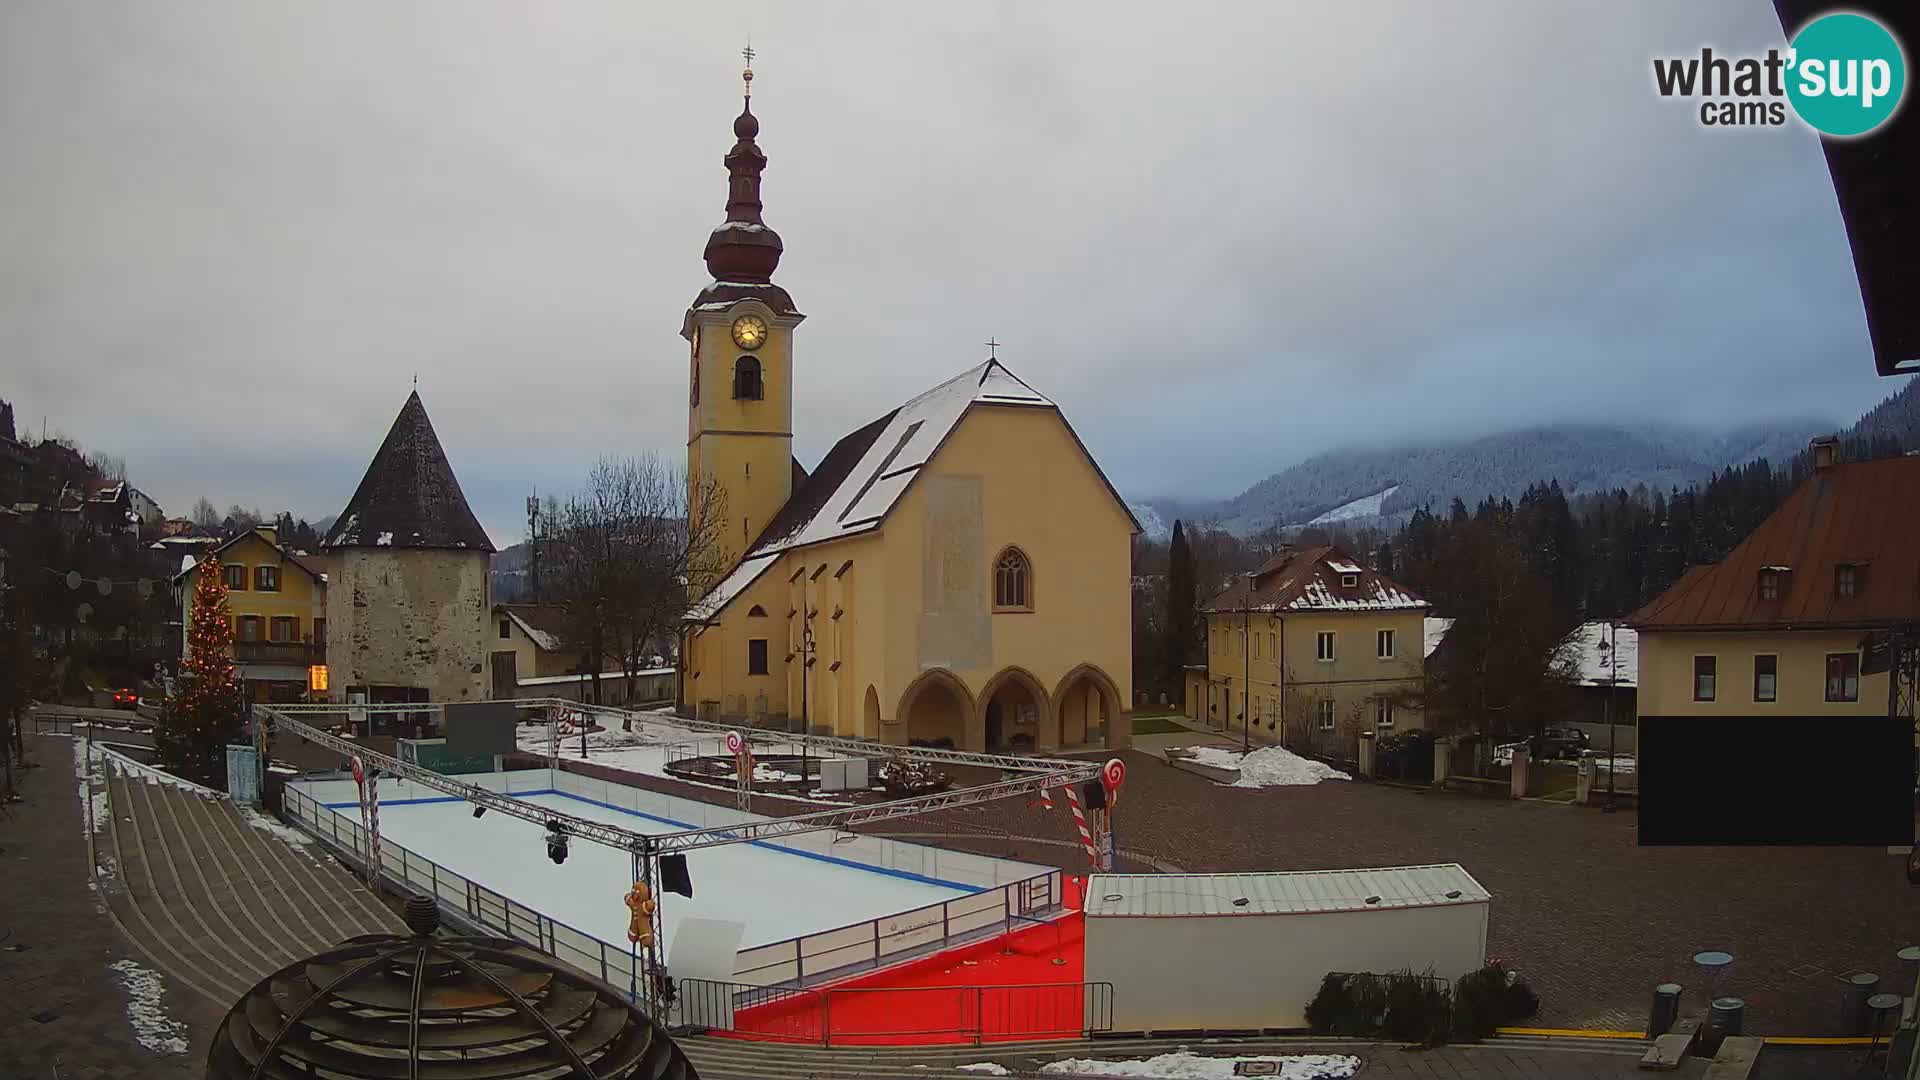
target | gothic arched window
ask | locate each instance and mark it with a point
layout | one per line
(1013, 581)
(746, 379)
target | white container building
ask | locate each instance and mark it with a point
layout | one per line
(1247, 952)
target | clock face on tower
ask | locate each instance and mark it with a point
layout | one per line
(749, 332)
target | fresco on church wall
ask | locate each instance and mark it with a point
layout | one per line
(955, 631)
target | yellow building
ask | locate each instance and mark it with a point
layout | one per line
(956, 571)
(1779, 626)
(1313, 648)
(278, 604)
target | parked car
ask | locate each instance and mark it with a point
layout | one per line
(1563, 742)
(125, 698)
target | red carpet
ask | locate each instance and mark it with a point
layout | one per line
(1005, 988)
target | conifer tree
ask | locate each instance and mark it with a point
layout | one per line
(1182, 620)
(204, 713)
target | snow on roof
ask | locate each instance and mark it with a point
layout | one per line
(1284, 893)
(897, 452)
(1377, 594)
(1341, 566)
(542, 638)
(1436, 632)
(732, 585)
(1603, 657)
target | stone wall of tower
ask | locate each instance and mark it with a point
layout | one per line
(409, 617)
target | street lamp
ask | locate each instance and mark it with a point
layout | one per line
(1606, 711)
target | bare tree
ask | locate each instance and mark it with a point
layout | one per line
(111, 468)
(620, 555)
(205, 516)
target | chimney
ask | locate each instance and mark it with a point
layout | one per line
(1826, 451)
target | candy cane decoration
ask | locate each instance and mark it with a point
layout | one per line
(1080, 821)
(1046, 800)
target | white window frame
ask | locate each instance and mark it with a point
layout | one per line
(1325, 646)
(1382, 712)
(1826, 680)
(1757, 657)
(1694, 675)
(1384, 637)
(1326, 714)
(1349, 581)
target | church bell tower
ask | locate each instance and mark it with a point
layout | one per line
(740, 358)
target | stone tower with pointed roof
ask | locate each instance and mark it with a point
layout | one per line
(958, 570)
(408, 599)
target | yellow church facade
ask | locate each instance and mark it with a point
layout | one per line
(956, 572)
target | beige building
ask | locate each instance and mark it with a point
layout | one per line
(956, 571)
(1311, 649)
(408, 590)
(1783, 624)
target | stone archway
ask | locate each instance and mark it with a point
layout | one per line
(1087, 701)
(870, 715)
(1015, 714)
(935, 707)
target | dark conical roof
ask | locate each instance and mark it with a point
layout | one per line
(409, 497)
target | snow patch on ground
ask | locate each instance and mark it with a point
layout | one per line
(268, 825)
(156, 1030)
(1182, 1064)
(1271, 766)
(1364, 506)
(991, 1068)
(93, 782)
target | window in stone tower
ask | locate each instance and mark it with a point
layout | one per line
(746, 379)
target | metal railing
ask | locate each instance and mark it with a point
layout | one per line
(805, 960)
(49, 722)
(879, 1015)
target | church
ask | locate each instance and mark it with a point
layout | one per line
(955, 573)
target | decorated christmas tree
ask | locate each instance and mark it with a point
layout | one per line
(204, 713)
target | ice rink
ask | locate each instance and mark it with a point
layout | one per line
(776, 892)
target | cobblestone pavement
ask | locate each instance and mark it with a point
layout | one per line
(1594, 920)
(64, 1007)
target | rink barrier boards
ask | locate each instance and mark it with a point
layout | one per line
(1006, 892)
(879, 1016)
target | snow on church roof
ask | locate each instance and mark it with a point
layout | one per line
(1598, 660)
(864, 475)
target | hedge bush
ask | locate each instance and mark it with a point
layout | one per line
(1491, 998)
(1409, 1008)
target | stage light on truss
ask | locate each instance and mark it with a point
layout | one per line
(478, 810)
(556, 842)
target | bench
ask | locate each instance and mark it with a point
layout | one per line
(1669, 1050)
(1735, 1059)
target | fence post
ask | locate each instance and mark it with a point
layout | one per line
(799, 964)
(826, 1017)
(876, 943)
(979, 1018)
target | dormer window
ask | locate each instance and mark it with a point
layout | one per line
(1848, 580)
(1349, 581)
(1769, 584)
(747, 385)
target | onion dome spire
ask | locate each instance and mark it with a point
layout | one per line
(743, 249)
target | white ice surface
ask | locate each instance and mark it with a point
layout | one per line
(778, 894)
(1184, 1065)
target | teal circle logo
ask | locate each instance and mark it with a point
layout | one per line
(1846, 75)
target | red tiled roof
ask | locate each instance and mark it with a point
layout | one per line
(1309, 580)
(1861, 512)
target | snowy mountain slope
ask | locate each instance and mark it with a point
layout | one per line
(1362, 486)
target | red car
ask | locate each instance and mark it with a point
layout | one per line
(125, 699)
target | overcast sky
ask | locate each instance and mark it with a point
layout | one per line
(1222, 237)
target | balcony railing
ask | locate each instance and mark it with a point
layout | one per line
(298, 653)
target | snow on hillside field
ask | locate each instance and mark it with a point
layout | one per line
(1363, 507)
(1273, 766)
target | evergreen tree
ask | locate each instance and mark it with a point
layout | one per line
(1182, 619)
(204, 713)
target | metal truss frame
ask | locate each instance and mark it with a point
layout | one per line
(1057, 773)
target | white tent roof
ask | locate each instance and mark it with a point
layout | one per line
(1289, 893)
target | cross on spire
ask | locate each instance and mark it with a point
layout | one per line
(993, 349)
(747, 75)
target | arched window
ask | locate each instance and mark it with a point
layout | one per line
(746, 379)
(1013, 581)
(756, 612)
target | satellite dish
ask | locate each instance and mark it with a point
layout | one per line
(105, 585)
(82, 612)
(73, 579)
